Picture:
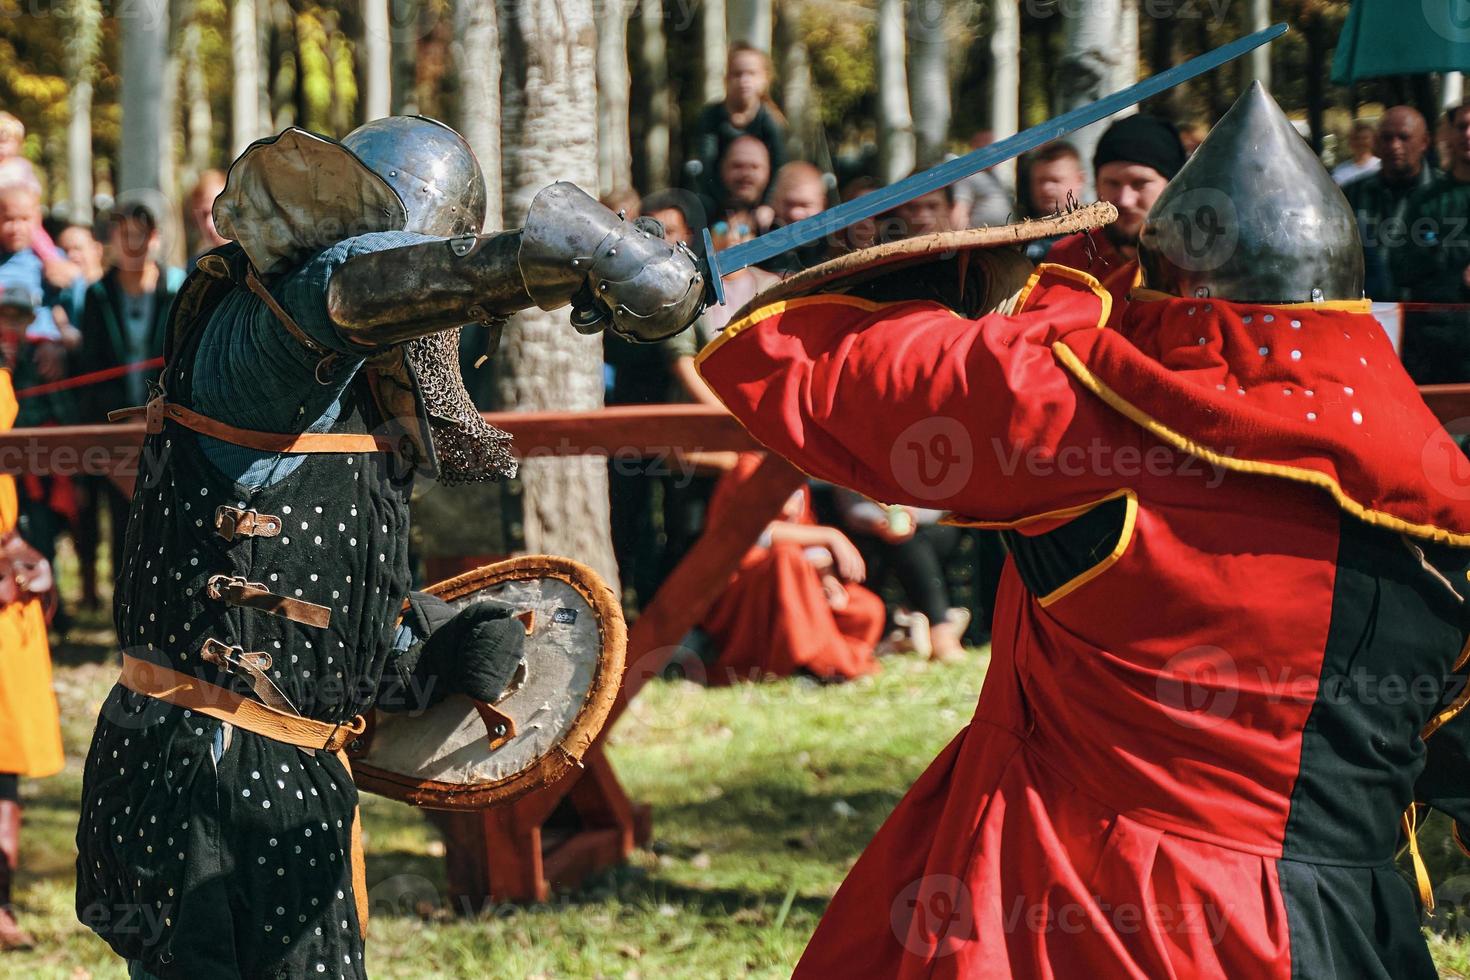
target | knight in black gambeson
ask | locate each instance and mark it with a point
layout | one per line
(311, 375)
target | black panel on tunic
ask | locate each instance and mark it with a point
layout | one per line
(1394, 634)
(1046, 562)
(240, 868)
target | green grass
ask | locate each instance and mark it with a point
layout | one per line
(763, 796)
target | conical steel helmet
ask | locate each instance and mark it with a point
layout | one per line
(431, 167)
(1253, 217)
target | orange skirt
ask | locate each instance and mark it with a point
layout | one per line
(30, 724)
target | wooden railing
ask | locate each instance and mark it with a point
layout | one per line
(500, 854)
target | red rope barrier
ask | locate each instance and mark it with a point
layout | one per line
(90, 378)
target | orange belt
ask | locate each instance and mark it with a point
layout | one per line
(217, 702)
(157, 410)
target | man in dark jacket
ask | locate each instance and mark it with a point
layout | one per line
(123, 318)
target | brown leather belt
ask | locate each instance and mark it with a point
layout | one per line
(225, 705)
(158, 409)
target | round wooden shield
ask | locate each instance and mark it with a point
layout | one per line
(466, 755)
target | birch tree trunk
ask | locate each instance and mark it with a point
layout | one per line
(1088, 66)
(1125, 72)
(928, 72)
(750, 21)
(476, 53)
(795, 69)
(144, 53)
(895, 122)
(1005, 83)
(245, 125)
(377, 60)
(714, 44)
(548, 99)
(199, 121)
(651, 92)
(82, 49)
(614, 145)
(1257, 64)
(404, 34)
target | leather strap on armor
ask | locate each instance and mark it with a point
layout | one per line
(157, 410)
(253, 595)
(232, 522)
(151, 680)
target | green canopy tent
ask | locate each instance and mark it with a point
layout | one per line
(1402, 37)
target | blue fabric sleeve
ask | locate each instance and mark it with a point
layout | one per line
(249, 372)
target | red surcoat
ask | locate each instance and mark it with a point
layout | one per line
(1236, 534)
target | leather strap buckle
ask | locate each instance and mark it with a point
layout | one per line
(345, 732)
(239, 591)
(251, 665)
(232, 522)
(153, 415)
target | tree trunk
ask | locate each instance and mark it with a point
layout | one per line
(1317, 47)
(1005, 82)
(1257, 64)
(245, 125)
(144, 57)
(377, 60)
(895, 123)
(614, 145)
(476, 53)
(803, 137)
(200, 123)
(928, 71)
(1088, 67)
(750, 21)
(650, 87)
(715, 44)
(404, 33)
(549, 96)
(1125, 73)
(82, 48)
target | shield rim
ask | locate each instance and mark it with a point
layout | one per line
(844, 271)
(586, 726)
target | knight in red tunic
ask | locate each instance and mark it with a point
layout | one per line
(1230, 638)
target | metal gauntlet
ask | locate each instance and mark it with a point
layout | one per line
(616, 273)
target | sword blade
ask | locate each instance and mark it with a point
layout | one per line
(916, 185)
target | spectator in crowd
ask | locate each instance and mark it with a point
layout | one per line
(687, 492)
(982, 198)
(910, 544)
(745, 174)
(30, 730)
(747, 110)
(20, 262)
(83, 250)
(200, 206)
(1135, 159)
(1192, 135)
(1380, 198)
(17, 171)
(799, 192)
(1431, 264)
(923, 215)
(1054, 180)
(1361, 160)
(796, 604)
(123, 323)
(860, 234)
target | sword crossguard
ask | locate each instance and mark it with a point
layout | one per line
(715, 291)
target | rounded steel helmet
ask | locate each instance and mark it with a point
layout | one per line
(432, 169)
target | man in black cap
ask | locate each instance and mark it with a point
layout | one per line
(1135, 159)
